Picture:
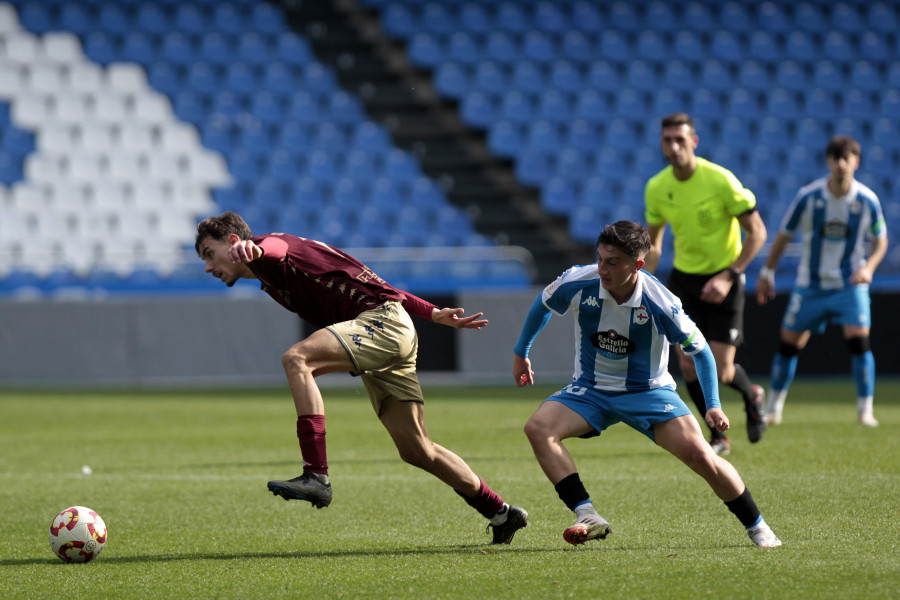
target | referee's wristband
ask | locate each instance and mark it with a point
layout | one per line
(767, 273)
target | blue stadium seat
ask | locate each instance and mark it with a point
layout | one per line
(228, 18)
(837, 46)
(190, 18)
(554, 105)
(595, 192)
(215, 48)
(345, 108)
(584, 224)
(401, 166)
(330, 136)
(660, 16)
(17, 141)
(648, 161)
(267, 107)
(706, 102)
(558, 196)
(139, 47)
(490, 77)
(620, 136)
(791, 75)
(752, 75)
(775, 132)
(882, 17)
(614, 46)
(582, 135)
(292, 49)
(802, 46)
(241, 78)
(829, 76)
(477, 109)
(255, 137)
(322, 166)
(858, 104)
(652, 46)
(463, 48)
(689, 46)
(37, 17)
(820, 104)
(803, 162)
(716, 75)
(846, 17)
(865, 76)
(102, 47)
(771, 17)
(604, 75)
(280, 77)
(809, 17)
(306, 107)
(782, 103)
(812, 131)
(565, 76)
(698, 16)
(398, 20)
(502, 47)
(880, 160)
(577, 46)
(641, 75)
(511, 17)
(425, 50)
(113, 18)
(586, 17)
(572, 165)
(252, 48)
(873, 46)
(667, 101)
(282, 168)
(203, 77)
(678, 75)
(475, 17)
(727, 46)
(189, 106)
(164, 77)
(216, 135)
(294, 136)
(533, 167)
(886, 132)
(151, 18)
(632, 104)
(516, 106)
(436, 17)
(549, 16)
(451, 80)
(623, 16)
(735, 17)
(738, 132)
(729, 157)
(527, 76)
(766, 161)
(764, 46)
(245, 166)
(505, 139)
(539, 46)
(372, 137)
(545, 136)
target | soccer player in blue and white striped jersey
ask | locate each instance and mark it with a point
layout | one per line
(836, 216)
(625, 320)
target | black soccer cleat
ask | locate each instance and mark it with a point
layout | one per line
(516, 519)
(306, 487)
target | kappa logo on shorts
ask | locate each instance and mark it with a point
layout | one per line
(357, 339)
(668, 408)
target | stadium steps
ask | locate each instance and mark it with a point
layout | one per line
(346, 36)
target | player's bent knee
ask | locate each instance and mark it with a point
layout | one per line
(295, 360)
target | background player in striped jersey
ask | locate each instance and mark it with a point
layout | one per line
(625, 320)
(707, 207)
(366, 330)
(836, 217)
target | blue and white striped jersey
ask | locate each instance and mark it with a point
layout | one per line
(833, 231)
(622, 347)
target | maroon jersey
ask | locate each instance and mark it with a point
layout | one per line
(322, 284)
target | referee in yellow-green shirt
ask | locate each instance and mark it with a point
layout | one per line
(707, 207)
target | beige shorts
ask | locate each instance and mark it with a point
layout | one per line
(383, 344)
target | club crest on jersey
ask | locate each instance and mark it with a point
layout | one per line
(640, 316)
(612, 344)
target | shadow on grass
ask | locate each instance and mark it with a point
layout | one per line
(467, 549)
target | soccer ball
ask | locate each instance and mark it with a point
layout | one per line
(77, 534)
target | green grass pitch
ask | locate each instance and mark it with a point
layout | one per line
(180, 478)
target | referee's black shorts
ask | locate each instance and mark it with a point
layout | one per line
(719, 322)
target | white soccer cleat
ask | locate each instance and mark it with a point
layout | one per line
(763, 536)
(868, 419)
(773, 418)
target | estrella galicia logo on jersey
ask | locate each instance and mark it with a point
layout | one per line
(835, 230)
(639, 315)
(612, 344)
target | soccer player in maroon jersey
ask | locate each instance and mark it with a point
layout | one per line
(366, 330)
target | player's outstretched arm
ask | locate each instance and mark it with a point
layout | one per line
(452, 317)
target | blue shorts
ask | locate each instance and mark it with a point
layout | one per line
(639, 410)
(814, 310)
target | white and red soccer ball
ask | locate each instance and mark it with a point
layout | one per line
(77, 534)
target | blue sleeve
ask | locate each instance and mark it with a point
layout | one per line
(705, 365)
(538, 317)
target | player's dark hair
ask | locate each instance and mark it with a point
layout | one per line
(629, 237)
(221, 227)
(677, 119)
(842, 145)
